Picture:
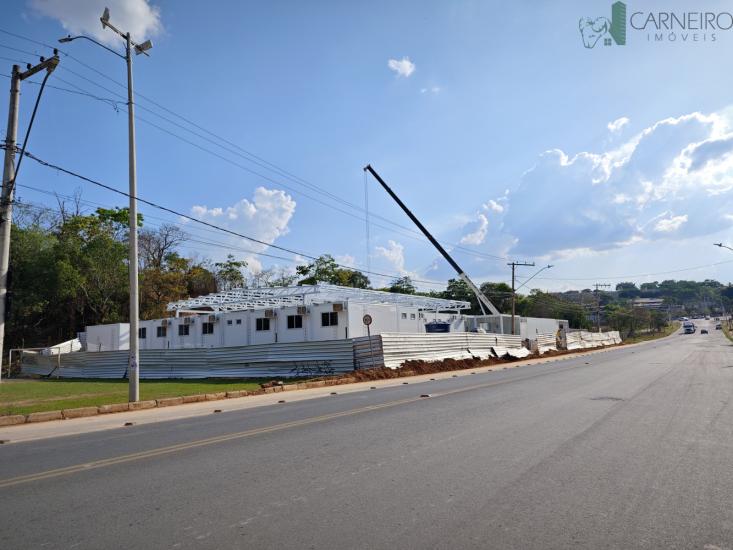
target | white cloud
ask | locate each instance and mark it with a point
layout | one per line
(671, 224)
(403, 67)
(616, 125)
(138, 17)
(394, 253)
(265, 217)
(625, 194)
(478, 235)
(493, 206)
(346, 260)
(432, 90)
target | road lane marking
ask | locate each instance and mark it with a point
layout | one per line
(162, 451)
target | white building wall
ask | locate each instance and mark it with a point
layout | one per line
(238, 328)
(108, 337)
(530, 327)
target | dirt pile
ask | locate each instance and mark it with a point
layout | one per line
(412, 368)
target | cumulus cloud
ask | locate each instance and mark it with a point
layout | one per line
(477, 236)
(139, 17)
(265, 217)
(394, 253)
(668, 225)
(625, 194)
(403, 67)
(616, 125)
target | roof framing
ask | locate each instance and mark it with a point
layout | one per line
(265, 298)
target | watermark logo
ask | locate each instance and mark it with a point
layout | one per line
(610, 30)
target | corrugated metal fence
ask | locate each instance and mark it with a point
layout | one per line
(546, 342)
(583, 339)
(300, 358)
(393, 349)
(265, 360)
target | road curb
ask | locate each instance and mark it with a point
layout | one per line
(81, 412)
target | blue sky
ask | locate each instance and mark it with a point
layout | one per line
(494, 124)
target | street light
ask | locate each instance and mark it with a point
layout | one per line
(134, 356)
(721, 245)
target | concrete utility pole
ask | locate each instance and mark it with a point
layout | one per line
(133, 365)
(9, 176)
(514, 292)
(598, 303)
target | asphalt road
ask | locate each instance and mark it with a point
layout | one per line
(632, 448)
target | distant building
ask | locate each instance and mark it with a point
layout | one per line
(649, 303)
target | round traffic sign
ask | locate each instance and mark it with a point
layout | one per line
(367, 319)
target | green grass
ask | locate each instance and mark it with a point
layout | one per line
(669, 329)
(22, 396)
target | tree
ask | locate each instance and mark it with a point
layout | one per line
(627, 290)
(457, 289)
(402, 285)
(156, 245)
(229, 273)
(325, 269)
(500, 295)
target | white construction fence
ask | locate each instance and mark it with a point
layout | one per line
(294, 359)
(267, 360)
(392, 349)
(583, 339)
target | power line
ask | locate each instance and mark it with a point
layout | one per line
(208, 242)
(240, 151)
(186, 216)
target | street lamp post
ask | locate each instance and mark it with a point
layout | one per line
(133, 363)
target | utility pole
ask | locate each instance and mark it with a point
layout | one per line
(514, 293)
(10, 174)
(133, 364)
(598, 303)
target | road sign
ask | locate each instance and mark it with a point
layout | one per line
(367, 319)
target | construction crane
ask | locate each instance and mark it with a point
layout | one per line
(483, 301)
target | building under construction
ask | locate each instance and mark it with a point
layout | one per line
(307, 313)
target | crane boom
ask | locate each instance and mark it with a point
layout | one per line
(483, 301)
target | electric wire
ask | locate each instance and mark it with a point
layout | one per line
(247, 155)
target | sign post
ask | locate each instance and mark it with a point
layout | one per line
(367, 320)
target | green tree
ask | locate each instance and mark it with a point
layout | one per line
(229, 273)
(402, 285)
(500, 295)
(325, 269)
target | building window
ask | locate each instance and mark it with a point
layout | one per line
(207, 328)
(229, 321)
(183, 330)
(422, 316)
(295, 321)
(404, 315)
(262, 323)
(161, 332)
(239, 321)
(412, 315)
(329, 319)
(142, 332)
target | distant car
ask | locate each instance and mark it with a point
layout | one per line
(704, 331)
(718, 327)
